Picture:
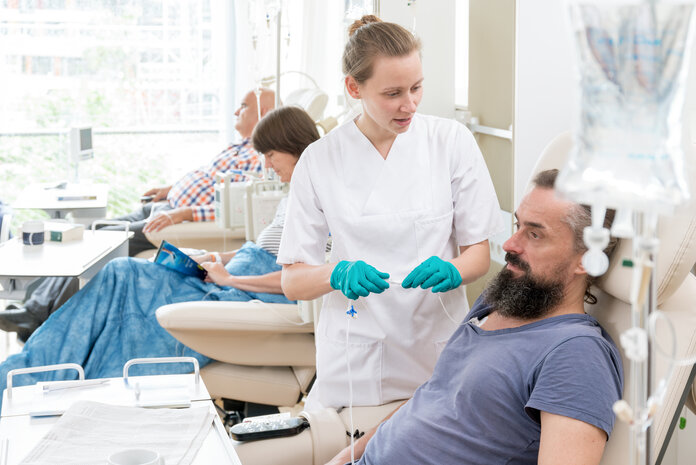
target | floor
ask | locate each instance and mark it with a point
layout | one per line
(8, 343)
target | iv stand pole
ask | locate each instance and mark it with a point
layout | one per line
(278, 42)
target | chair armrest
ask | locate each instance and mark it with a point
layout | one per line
(244, 333)
(199, 235)
(316, 445)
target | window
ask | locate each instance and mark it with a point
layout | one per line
(461, 51)
(137, 71)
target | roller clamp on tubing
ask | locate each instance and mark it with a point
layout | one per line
(60, 366)
(146, 361)
(112, 223)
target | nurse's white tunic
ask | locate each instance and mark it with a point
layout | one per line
(432, 194)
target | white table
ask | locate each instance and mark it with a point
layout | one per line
(82, 200)
(24, 431)
(80, 259)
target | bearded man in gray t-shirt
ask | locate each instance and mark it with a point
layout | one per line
(528, 377)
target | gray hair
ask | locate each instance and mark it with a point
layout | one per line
(578, 218)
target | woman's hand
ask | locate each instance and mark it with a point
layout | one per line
(202, 258)
(358, 279)
(434, 272)
(217, 274)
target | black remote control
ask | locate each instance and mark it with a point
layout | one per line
(271, 428)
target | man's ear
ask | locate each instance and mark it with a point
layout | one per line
(579, 268)
(352, 87)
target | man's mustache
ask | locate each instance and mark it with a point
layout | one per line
(515, 260)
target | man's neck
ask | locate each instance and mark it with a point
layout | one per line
(496, 321)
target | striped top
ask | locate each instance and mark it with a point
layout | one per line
(269, 238)
(196, 188)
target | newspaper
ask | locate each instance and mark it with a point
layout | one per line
(89, 432)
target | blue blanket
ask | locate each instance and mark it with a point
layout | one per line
(112, 319)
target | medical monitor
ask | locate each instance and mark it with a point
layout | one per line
(81, 143)
(80, 150)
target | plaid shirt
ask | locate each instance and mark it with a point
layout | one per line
(196, 188)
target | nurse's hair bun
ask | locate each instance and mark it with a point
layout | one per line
(358, 23)
(369, 38)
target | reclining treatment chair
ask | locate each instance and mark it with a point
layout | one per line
(197, 235)
(264, 352)
(327, 433)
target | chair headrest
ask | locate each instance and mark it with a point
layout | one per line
(313, 101)
(677, 252)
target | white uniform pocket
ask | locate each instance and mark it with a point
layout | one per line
(332, 389)
(434, 236)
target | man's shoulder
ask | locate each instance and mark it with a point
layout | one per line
(568, 327)
(582, 338)
(241, 148)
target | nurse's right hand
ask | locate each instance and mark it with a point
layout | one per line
(358, 279)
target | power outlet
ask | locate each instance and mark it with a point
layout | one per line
(497, 241)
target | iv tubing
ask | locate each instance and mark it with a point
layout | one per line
(350, 395)
(439, 297)
(350, 377)
(657, 314)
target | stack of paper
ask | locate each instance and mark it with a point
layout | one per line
(89, 432)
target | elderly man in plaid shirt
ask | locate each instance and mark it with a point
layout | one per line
(189, 199)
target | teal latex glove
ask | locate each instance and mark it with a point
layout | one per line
(358, 279)
(434, 272)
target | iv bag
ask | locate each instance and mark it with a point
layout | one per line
(632, 60)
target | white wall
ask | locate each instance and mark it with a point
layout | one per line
(435, 26)
(690, 112)
(544, 83)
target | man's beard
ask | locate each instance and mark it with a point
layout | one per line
(525, 297)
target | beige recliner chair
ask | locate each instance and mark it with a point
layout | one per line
(198, 235)
(676, 293)
(264, 352)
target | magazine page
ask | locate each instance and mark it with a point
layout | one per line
(173, 258)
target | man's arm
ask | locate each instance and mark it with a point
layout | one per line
(343, 457)
(158, 193)
(569, 441)
(168, 218)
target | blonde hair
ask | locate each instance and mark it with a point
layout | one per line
(370, 37)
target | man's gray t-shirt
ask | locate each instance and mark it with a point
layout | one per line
(483, 401)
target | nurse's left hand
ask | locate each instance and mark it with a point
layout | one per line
(434, 272)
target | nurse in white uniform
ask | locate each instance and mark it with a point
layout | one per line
(410, 206)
